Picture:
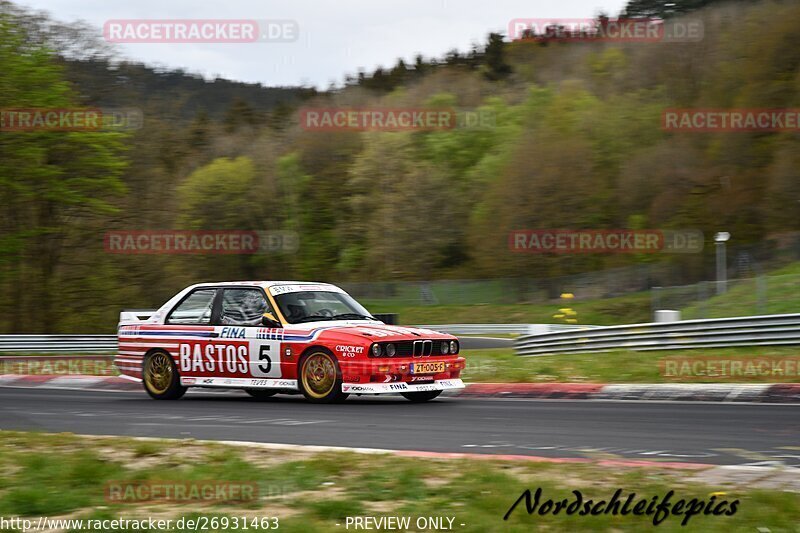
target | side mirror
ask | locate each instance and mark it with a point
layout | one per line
(269, 320)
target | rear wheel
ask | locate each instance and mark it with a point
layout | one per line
(320, 378)
(419, 397)
(160, 377)
(260, 394)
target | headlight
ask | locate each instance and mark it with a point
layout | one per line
(390, 350)
(445, 348)
(376, 350)
(453, 347)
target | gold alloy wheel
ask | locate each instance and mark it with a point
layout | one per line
(318, 375)
(158, 373)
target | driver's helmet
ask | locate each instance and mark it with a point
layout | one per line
(253, 305)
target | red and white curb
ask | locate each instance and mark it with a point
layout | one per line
(73, 382)
(698, 392)
(571, 391)
(710, 392)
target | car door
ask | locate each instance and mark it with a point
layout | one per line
(241, 311)
(190, 330)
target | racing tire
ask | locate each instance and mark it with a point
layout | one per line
(261, 394)
(320, 378)
(160, 377)
(419, 397)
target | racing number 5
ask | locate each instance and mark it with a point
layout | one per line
(263, 355)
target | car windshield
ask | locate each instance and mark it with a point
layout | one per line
(310, 306)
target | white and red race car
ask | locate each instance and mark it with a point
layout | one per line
(271, 337)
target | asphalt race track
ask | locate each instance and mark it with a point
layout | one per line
(678, 432)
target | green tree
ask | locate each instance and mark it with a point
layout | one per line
(222, 195)
(219, 196)
(397, 225)
(240, 114)
(199, 131)
(496, 66)
(53, 185)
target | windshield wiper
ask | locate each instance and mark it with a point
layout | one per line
(343, 316)
(354, 315)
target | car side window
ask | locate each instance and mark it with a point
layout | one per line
(243, 307)
(195, 309)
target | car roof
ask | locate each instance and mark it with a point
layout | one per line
(260, 283)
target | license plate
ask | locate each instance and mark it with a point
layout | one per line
(427, 368)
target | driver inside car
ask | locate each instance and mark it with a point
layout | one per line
(250, 311)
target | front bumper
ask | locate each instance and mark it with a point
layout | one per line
(401, 386)
(376, 370)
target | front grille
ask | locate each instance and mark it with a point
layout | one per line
(423, 348)
(418, 348)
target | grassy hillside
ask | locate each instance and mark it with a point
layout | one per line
(779, 292)
(576, 142)
(606, 312)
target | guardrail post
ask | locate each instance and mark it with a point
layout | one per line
(722, 266)
(655, 301)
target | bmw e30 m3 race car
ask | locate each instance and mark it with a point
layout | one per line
(271, 337)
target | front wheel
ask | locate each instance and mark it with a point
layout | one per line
(320, 378)
(419, 397)
(160, 377)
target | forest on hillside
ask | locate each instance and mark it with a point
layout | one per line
(576, 141)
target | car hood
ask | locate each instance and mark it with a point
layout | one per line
(368, 329)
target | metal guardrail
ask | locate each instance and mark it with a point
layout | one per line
(502, 329)
(536, 339)
(767, 330)
(107, 344)
(58, 343)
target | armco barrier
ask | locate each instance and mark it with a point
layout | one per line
(58, 343)
(536, 339)
(767, 330)
(503, 329)
(86, 344)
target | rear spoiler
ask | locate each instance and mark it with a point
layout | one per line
(131, 316)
